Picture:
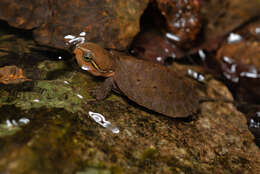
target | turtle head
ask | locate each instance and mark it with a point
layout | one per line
(94, 59)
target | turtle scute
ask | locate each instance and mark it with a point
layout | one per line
(156, 87)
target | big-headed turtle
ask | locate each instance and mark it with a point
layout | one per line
(149, 84)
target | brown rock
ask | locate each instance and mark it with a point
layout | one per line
(11, 75)
(182, 18)
(26, 15)
(153, 46)
(245, 53)
(239, 63)
(112, 24)
(223, 16)
(251, 31)
(217, 141)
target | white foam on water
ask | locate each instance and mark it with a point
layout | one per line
(233, 38)
(254, 124)
(66, 82)
(82, 34)
(100, 119)
(257, 30)
(250, 75)
(196, 75)
(233, 68)
(159, 59)
(201, 78)
(23, 121)
(8, 123)
(69, 37)
(80, 96)
(76, 40)
(202, 54)
(228, 60)
(36, 100)
(85, 68)
(172, 37)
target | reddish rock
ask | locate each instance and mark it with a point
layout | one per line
(224, 16)
(162, 23)
(154, 47)
(182, 19)
(245, 52)
(252, 113)
(26, 15)
(251, 31)
(11, 75)
(112, 24)
(240, 63)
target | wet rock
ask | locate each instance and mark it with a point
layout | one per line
(27, 15)
(215, 140)
(44, 133)
(44, 89)
(239, 54)
(161, 22)
(112, 24)
(151, 43)
(12, 75)
(7, 128)
(47, 67)
(224, 16)
(182, 19)
(154, 47)
(251, 31)
(13, 40)
(252, 113)
(240, 63)
(61, 137)
(95, 171)
(50, 94)
(246, 53)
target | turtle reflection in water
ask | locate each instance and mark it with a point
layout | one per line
(148, 84)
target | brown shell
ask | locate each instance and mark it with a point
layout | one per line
(156, 87)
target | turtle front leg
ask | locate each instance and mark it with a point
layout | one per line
(101, 92)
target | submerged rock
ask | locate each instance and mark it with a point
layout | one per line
(12, 75)
(214, 140)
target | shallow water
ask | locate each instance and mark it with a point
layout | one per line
(45, 126)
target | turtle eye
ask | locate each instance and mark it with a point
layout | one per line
(87, 56)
